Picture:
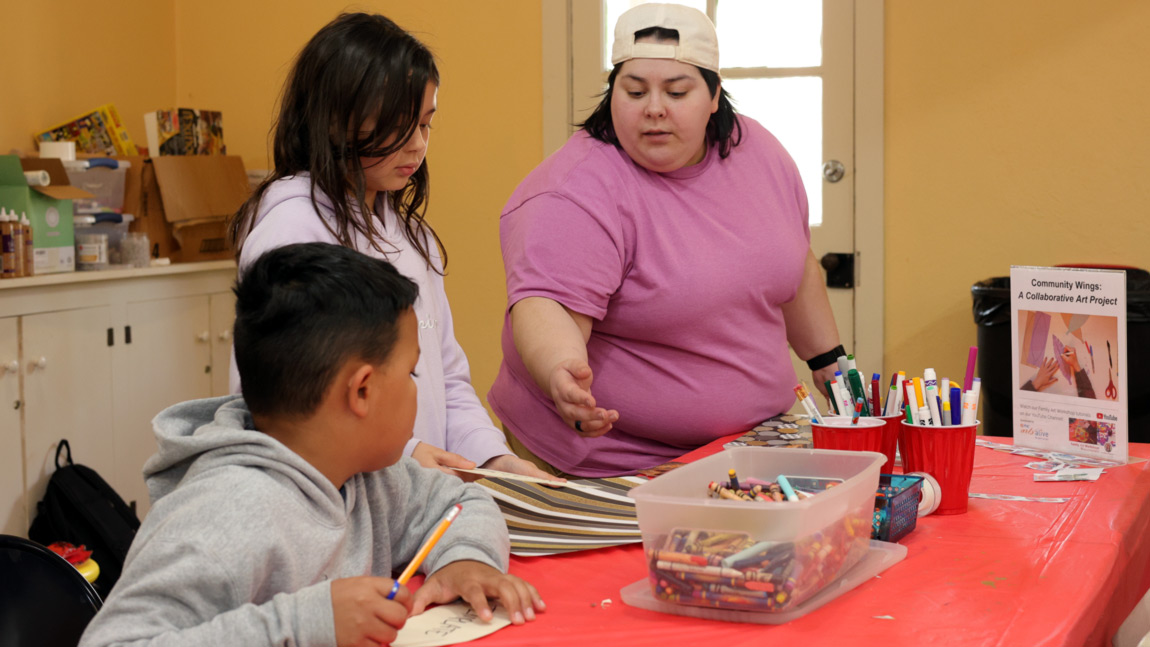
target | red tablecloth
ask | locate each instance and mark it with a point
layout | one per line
(1006, 573)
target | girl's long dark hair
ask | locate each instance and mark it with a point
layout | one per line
(359, 67)
(722, 128)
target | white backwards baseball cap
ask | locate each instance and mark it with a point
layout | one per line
(698, 42)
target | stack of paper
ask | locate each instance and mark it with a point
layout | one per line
(579, 515)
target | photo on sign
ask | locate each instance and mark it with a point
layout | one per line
(1062, 353)
(1092, 432)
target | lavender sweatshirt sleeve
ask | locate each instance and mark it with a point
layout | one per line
(470, 432)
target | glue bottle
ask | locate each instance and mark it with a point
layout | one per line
(17, 245)
(29, 257)
(7, 253)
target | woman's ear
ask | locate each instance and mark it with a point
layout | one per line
(359, 390)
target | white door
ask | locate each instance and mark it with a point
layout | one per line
(792, 67)
(67, 364)
(223, 315)
(13, 509)
(168, 360)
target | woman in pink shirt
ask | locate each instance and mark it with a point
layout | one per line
(658, 265)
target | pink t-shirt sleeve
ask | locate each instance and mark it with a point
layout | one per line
(548, 234)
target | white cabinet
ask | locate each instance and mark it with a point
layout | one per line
(67, 370)
(13, 514)
(98, 355)
(222, 307)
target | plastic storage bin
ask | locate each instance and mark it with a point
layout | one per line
(115, 232)
(896, 506)
(767, 557)
(103, 178)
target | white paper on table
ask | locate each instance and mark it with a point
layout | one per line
(449, 624)
(511, 476)
(1070, 474)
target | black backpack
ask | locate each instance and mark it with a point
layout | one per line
(79, 507)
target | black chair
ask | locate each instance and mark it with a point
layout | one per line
(43, 599)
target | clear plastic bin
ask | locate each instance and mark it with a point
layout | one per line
(115, 231)
(761, 556)
(98, 177)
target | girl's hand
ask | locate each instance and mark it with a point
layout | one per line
(442, 460)
(476, 582)
(514, 464)
(570, 388)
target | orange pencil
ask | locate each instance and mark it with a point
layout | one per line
(425, 549)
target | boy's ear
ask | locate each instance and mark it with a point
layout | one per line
(359, 389)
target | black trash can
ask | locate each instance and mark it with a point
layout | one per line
(992, 315)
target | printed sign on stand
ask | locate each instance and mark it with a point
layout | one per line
(1068, 336)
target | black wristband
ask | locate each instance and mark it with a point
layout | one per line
(826, 359)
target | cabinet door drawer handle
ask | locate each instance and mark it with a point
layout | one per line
(225, 335)
(12, 367)
(41, 363)
(204, 336)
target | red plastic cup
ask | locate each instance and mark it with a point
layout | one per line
(837, 432)
(947, 454)
(892, 427)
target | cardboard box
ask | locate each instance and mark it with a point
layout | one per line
(49, 208)
(183, 203)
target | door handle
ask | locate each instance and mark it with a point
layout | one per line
(833, 170)
(840, 268)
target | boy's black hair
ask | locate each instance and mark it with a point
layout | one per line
(304, 310)
(722, 128)
(358, 67)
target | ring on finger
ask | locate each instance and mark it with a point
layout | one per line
(579, 425)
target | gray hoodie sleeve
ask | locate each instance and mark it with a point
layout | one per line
(479, 533)
(177, 595)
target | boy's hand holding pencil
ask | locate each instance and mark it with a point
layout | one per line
(363, 613)
(473, 581)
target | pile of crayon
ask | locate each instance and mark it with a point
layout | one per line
(731, 570)
(753, 489)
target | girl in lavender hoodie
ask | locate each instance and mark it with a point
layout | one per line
(349, 169)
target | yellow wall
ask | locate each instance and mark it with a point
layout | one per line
(486, 135)
(1016, 133)
(233, 56)
(64, 57)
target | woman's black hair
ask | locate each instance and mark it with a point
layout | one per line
(722, 128)
(357, 68)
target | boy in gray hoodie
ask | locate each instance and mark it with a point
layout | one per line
(278, 516)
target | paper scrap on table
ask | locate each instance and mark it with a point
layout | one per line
(1015, 497)
(1071, 475)
(449, 624)
(1056, 460)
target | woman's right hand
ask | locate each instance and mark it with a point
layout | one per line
(570, 388)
